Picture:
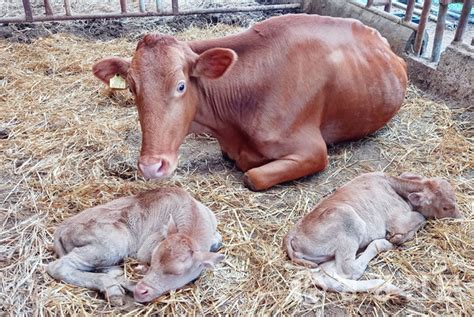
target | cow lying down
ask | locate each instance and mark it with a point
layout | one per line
(374, 212)
(165, 228)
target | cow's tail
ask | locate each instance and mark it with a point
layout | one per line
(292, 254)
(339, 284)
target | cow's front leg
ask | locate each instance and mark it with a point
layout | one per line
(287, 168)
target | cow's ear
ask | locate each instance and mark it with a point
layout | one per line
(109, 67)
(214, 63)
(209, 259)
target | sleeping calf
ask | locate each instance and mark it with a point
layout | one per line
(374, 212)
(166, 228)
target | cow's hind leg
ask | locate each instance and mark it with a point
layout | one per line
(75, 268)
(307, 161)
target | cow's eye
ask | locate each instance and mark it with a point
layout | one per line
(181, 87)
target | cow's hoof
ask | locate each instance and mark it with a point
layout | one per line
(116, 300)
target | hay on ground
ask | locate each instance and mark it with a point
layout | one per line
(67, 144)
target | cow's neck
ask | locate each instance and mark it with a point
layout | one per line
(230, 99)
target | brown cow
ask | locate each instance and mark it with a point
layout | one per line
(165, 228)
(374, 211)
(273, 96)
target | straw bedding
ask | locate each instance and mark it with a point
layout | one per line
(67, 144)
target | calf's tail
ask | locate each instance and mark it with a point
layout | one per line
(58, 244)
(292, 254)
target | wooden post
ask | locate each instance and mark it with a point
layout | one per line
(175, 6)
(141, 5)
(440, 26)
(466, 10)
(67, 6)
(159, 6)
(409, 12)
(47, 8)
(422, 26)
(28, 12)
(123, 6)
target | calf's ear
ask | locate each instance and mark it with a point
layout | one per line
(214, 63)
(209, 259)
(172, 229)
(408, 175)
(418, 199)
(108, 67)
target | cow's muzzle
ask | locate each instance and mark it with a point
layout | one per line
(156, 167)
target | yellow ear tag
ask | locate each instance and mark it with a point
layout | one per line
(117, 82)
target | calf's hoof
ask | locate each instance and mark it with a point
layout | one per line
(395, 238)
(117, 300)
(216, 247)
(141, 269)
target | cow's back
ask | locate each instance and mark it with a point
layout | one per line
(333, 73)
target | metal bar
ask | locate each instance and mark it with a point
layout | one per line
(388, 6)
(376, 3)
(159, 6)
(271, 7)
(422, 26)
(386, 15)
(418, 12)
(47, 8)
(440, 26)
(175, 7)
(28, 12)
(409, 10)
(67, 6)
(466, 9)
(141, 5)
(123, 6)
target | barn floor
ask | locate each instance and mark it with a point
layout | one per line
(68, 144)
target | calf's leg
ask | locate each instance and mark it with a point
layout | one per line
(348, 266)
(403, 228)
(306, 162)
(75, 268)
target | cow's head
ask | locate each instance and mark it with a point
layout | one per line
(164, 75)
(436, 200)
(174, 263)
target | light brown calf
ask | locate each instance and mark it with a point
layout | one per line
(164, 227)
(374, 212)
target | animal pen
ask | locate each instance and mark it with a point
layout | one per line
(67, 143)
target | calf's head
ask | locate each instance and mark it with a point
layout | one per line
(164, 76)
(436, 200)
(175, 262)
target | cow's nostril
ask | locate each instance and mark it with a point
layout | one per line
(152, 171)
(143, 291)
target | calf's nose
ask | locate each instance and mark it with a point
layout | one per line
(141, 292)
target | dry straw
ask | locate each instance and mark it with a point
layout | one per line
(67, 144)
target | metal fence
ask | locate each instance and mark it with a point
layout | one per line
(125, 11)
(424, 12)
(410, 8)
